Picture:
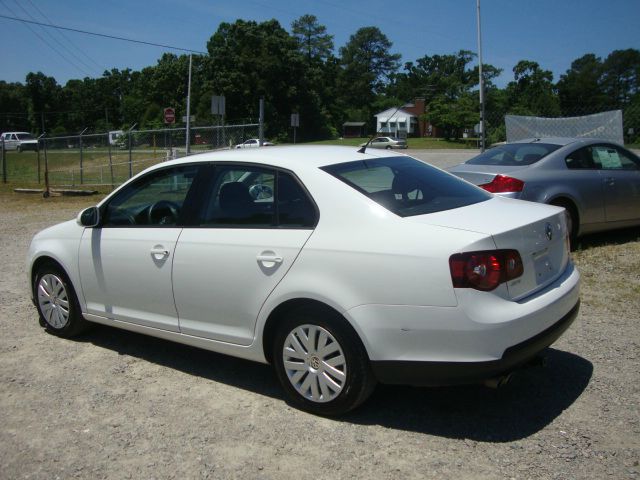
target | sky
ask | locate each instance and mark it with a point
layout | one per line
(550, 32)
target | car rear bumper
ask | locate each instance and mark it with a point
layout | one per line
(484, 334)
(452, 373)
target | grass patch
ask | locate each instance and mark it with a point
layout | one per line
(98, 166)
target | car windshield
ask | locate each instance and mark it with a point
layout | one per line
(514, 154)
(407, 186)
(25, 136)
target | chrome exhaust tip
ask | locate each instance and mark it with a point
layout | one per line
(497, 382)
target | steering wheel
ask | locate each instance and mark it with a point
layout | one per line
(260, 191)
(163, 212)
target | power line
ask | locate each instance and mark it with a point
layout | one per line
(67, 39)
(49, 44)
(113, 37)
(60, 44)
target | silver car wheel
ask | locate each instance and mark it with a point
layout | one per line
(53, 300)
(314, 363)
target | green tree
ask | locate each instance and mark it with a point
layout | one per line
(43, 94)
(621, 77)
(367, 64)
(532, 91)
(250, 60)
(14, 104)
(313, 41)
(580, 88)
(453, 116)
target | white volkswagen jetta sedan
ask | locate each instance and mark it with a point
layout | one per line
(339, 268)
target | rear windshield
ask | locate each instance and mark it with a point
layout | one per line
(407, 186)
(514, 154)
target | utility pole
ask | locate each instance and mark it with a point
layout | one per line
(481, 83)
(261, 122)
(188, 135)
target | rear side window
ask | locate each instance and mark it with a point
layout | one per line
(514, 154)
(247, 196)
(407, 186)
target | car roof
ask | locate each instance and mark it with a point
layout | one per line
(293, 157)
(562, 141)
(8, 133)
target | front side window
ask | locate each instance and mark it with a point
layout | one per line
(154, 200)
(407, 186)
(514, 154)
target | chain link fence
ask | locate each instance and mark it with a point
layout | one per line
(109, 159)
(496, 130)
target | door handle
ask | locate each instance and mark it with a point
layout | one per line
(269, 258)
(160, 252)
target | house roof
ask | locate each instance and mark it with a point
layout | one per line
(353, 124)
(394, 114)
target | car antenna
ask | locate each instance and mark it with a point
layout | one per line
(363, 149)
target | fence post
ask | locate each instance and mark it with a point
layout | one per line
(110, 160)
(38, 151)
(81, 172)
(46, 193)
(4, 164)
(261, 122)
(130, 147)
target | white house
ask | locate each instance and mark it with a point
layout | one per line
(397, 122)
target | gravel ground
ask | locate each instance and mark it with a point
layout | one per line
(113, 404)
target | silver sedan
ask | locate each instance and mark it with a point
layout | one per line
(597, 182)
(386, 142)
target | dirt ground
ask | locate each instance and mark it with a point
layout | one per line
(118, 405)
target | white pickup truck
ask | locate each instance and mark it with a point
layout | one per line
(19, 141)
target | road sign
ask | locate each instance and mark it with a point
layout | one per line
(169, 115)
(192, 118)
(218, 105)
(295, 119)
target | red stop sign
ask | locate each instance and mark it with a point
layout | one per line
(169, 115)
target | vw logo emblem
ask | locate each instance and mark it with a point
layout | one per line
(548, 230)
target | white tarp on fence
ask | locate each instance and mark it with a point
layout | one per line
(605, 126)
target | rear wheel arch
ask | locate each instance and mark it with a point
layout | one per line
(573, 211)
(318, 357)
(284, 309)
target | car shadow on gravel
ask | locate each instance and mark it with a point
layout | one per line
(252, 376)
(612, 237)
(530, 401)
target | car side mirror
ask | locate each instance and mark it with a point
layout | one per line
(89, 217)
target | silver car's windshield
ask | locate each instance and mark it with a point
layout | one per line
(514, 154)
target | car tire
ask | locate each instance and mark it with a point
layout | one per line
(388, 147)
(57, 302)
(331, 379)
(19, 149)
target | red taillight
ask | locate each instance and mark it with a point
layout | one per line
(484, 270)
(503, 184)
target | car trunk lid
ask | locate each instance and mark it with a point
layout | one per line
(538, 232)
(482, 174)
